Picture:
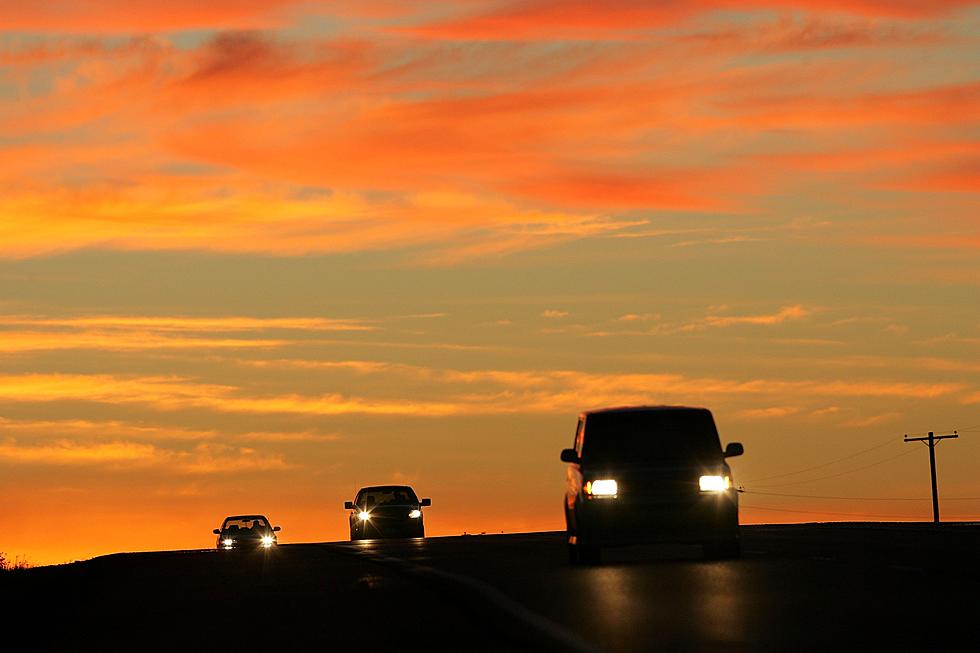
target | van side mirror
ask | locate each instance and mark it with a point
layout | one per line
(425, 502)
(734, 449)
(569, 456)
(217, 531)
(348, 505)
(276, 528)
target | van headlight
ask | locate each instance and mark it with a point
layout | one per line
(715, 483)
(603, 487)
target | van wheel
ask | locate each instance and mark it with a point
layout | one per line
(727, 549)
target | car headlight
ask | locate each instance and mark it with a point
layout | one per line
(268, 540)
(227, 541)
(415, 514)
(605, 487)
(364, 515)
(715, 483)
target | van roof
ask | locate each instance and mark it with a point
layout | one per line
(638, 409)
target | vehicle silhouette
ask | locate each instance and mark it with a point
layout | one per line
(381, 511)
(647, 474)
(246, 532)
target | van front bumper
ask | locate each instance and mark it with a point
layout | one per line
(613, 522)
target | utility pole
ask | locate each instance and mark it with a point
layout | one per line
(931, 440)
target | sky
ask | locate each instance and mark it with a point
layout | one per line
(256, 254)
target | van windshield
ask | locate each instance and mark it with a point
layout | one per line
(651, 437)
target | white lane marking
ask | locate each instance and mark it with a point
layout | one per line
(557, 636)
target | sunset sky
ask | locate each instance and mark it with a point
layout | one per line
(256, 254)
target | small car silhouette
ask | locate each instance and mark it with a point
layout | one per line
(246, 532)
(382, 511)
(647, 474)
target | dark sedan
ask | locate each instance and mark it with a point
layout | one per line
(246, 532)
(386, 511)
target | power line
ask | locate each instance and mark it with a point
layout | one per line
(825, 512)
(827, 464)
(844, 473)
(818, 496)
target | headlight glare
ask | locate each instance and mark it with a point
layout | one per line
(364, 515)
(415, 514)
(715, 483)
(605, 487)
(267, 540)
(227, 541)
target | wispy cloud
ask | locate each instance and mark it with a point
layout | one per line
(185, 323)
(784, 314)
(554, 314)
(203, 459)
(767, 413)
(66, 452)
(31, 341)
(137, 333)
(787, 313)
(78, 429)
(474, 392)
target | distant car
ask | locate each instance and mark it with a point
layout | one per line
(648, 474)
(386, 511)
(246, 532)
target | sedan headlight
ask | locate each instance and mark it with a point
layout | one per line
(415, 514)
(605, 487)
(268, 540)
(715, 483)
(227, 542)
(364, 515)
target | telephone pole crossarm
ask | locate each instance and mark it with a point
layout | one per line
(954, 434)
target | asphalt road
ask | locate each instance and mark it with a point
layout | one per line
(905, 587)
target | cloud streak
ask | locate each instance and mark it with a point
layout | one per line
(204, 459)
(477, 392)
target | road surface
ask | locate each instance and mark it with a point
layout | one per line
(807, 587)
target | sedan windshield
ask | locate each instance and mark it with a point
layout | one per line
(391, 496)
(651, 437)
(245, 525)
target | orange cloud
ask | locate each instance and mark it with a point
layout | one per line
(187, 323)
(262, 142)
(536, 19)
(767, 413)
(139, 333)
(205, 458)
(66, 452)
(30, 341)
(488, 392)
(782, 315)
(123, 16)
(76, 429)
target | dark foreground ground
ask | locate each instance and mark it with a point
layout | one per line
(808, 587)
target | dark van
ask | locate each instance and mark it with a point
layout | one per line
(649, 474)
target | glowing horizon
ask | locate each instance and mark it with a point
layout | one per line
(259, 253)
